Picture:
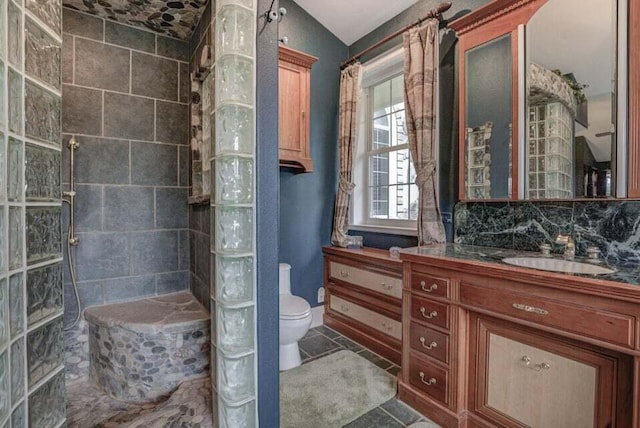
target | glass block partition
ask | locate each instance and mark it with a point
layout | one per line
(31, 351)
(233, 296)
(550, 152)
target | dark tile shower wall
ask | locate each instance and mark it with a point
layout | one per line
(200, 214)
(125, 94)
(613, 226)
(31, 341)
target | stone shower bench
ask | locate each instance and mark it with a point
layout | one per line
(141, 351)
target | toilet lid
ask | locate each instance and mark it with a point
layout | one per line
(293, 307)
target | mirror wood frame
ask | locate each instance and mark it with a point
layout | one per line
(503, 17)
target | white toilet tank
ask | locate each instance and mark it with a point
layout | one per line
(284, 278)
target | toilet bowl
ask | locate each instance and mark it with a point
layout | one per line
(295, 319)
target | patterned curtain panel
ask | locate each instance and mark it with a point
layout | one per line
(349, 89)
(420, 62)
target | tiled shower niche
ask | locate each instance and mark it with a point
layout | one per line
(31, 351)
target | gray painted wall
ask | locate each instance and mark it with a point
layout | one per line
(125, 94)
(268, 314)
(307, 200)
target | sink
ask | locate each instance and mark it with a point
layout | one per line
(557, 265)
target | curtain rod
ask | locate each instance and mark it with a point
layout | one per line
(434, 13)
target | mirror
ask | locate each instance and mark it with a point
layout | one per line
(488, 120)
(570, 110)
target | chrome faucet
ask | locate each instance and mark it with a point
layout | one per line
(569, 246)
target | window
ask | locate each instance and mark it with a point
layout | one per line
(392, 194)
(386, 197)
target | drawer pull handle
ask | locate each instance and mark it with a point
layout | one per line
(344, 308)
(431, 381)
(386, 327)
(536, 367)
(344, 274)
(430, 315)
(530, 309)
(432, 287)
(386, 286)
(430, 346)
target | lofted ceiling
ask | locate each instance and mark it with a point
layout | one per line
(174, 18)
(349, 21)
(353, 19)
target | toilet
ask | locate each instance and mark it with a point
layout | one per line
(295, 319)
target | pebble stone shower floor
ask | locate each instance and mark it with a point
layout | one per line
(190, 405)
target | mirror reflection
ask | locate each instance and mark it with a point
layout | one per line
(488, 116)
(570, 111)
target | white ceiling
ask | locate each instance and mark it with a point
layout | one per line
(350, 20)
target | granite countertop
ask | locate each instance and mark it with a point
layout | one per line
(623, 273)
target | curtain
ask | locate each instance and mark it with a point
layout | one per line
(347, 123)
(420, 85)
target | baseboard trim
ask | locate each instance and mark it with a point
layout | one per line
(317, 316)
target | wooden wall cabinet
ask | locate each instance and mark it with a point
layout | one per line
(493, 346)
(294, 71)
(363, 298)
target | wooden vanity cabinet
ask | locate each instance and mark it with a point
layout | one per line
(363, 298)
(519, 377)
(492, 346)
(294, 72)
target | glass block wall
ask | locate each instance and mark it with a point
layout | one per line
(31, 351)
(550, 151)
(233, 215)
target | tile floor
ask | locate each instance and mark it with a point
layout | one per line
(322, 341)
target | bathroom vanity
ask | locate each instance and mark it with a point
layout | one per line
(488, 344)
(364, 298)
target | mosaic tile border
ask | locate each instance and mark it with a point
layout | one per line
(175, 18)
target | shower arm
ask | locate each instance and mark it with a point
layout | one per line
(71, 194)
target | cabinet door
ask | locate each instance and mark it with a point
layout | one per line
(294, 104)
(522, 379)
(293, 83)
(539, 388)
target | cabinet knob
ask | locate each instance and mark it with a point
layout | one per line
(429, 315)
(430, 346)
(429, 382)
(431, 288)
(344, 273)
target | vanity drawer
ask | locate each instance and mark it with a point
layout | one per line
(430, 312)
(429, 378)
(431, 285)
(373, 281)
(598, 324)
(367, 317)
(430, 342)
